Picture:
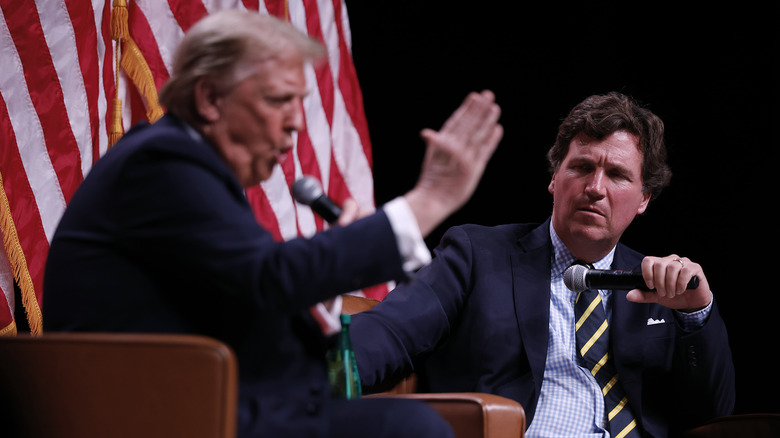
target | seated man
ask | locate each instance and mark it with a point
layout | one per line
(492, 313)
(160, 238)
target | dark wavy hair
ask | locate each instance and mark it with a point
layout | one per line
(599, 116)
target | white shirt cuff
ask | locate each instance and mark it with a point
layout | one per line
(414, 252)
(414, 255)
(328, 319)
(694, 320)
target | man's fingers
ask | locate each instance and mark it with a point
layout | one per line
(350, 212)
(640, 296)
(477, 112)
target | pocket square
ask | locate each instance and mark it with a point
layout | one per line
(651, 321)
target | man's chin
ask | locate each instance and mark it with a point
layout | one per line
(253, 180)
(263, 172)
(590, 231)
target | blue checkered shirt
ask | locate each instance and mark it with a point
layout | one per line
(571, 403)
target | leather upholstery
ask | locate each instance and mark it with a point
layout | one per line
(744, 425)
(471, 415)
(63, 385)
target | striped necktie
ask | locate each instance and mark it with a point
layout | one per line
(592, 332)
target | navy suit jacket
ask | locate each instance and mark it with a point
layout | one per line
(160, 238)
(477, 319)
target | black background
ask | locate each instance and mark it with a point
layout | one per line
(709, 73)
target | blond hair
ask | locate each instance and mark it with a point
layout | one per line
(221, 46)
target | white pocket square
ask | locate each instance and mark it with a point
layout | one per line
(651, 321)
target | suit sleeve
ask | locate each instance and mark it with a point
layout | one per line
(706, 377)
(416, 316)
(191, 225)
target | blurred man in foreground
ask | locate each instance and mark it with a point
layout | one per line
(160, 238)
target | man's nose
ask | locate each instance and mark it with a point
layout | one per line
(295, 118)
(595, 186)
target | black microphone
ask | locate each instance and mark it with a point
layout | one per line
(307, 191)
(579, 278)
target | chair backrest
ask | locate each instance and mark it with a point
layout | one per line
(63, 385)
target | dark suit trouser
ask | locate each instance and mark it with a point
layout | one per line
(386, 418)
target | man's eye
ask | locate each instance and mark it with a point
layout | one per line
(618, 175)
(277, 100)
(583, 168)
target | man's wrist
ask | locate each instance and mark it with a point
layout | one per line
(409, 238)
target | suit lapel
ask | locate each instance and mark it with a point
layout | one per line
(531, 289)
(628, 319)
(627, 331)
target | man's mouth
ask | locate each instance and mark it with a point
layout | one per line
(590, 210)
(282, 155)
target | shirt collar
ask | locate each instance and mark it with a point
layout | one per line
(192, 132)
(562, 258)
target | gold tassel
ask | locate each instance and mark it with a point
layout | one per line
(119, 29)
(129, 56)
(19, 267)
(134, 64)
(119, 33)
(115, 130)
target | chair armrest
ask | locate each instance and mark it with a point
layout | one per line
(474, 415)
(352, 304)
(471, 414)
(752, 425)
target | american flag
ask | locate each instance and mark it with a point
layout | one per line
(58, 84)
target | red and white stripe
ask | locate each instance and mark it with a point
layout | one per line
(56, 85)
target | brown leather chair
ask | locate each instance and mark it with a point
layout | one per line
(63, 385)
(471, 415)
(744, 425)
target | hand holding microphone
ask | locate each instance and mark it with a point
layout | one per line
(307, 191)
(579, 278)
(674, 282)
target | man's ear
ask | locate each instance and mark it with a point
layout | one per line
(646, 196)
(551, 186)
(208, 101)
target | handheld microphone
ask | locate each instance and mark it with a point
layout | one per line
(579, 278)
(307, 191)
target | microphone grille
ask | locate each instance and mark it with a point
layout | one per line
(574, 278)
(305, 190)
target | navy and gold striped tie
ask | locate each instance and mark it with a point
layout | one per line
(592, 332)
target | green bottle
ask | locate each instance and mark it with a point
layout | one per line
(342, 367)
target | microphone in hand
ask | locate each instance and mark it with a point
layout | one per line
(307, 191)
(579, 278)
